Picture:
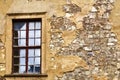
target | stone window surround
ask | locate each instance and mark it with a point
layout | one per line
(8, 28)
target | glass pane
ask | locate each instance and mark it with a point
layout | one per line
(22, 61)
(31, 53)
(30, 61)
(37, 33)
(37, 68)
(31, 34)
(16, 52)
(24, 26)
(22, 42)
(31, 68)
(31, 42)
(19, 26)
(31, 25)
(16, 60)
(23, 34)
(22, 53)
(37, 60)
(16, 69)
(37, 42)
(15, 41)
(37, 52)
(38, 25)
(17, 34)
(22, 69)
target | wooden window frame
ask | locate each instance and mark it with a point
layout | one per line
(27, 47)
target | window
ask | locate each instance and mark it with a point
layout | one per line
(27, 46)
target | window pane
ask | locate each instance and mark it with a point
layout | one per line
(31, 53)
(31, 61)
(37, 60)
(31, 42)
(16, 52)
(23, 34)
(15, 42)
(22, 53)
(37, 68)
(17, 34)
(31, 34)
(38, 25)
(37, 42)
(22, 69)
(19, 26)
(22, 42)
(24, 26)
(16, 60)
(31, 68)
(37, 52)
(31, 25)
(37, 33)
(16, 69)
(22, 61)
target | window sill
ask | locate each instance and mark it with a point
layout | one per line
(26, 75)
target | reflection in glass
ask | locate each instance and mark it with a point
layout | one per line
(37, 68)
(31, 25)
(37, 52)
(22, 61)
(30, 61)
(37, 33)
(31, 53)
(31, 68)
(31, 34)
(19, 26)
(24, 27)
(34, 68)
(22, 69)
(37, 60)
(37, 42)
(31, 42)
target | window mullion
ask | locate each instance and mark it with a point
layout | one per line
(27, 37)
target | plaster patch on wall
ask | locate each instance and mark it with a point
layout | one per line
(61, 64)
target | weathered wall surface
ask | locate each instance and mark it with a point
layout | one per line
(115, 17)
(4, 6)
(56, 65)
